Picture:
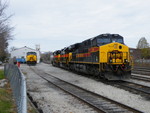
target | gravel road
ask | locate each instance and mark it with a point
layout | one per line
(53, 100)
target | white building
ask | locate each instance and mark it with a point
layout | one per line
(22, 53)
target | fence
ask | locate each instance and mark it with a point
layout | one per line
(18, 86)
(142, 62)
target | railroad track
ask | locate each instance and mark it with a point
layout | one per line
(140, 77)
(134, 87)
(96, 101)
(139, 67)
(141, 70)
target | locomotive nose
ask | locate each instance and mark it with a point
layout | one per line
(117, 46)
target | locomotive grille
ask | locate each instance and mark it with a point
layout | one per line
(117, 57)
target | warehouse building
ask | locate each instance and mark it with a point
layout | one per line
(20, 53)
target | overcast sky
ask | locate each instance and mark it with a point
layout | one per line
(55, 24)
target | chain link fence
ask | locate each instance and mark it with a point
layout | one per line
(18, 86)
(142, 62)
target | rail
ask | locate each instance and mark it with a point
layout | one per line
(18, 86)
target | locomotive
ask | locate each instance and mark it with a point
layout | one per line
(104, 56)
(31, 58)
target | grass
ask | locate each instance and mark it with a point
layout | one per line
(7, 104)
(2, 74)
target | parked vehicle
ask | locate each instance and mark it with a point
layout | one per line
(1, 62)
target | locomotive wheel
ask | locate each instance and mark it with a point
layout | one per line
(96, 72)
(101, 76)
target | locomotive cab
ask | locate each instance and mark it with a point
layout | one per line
(106, 39)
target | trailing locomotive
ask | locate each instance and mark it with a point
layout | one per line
(31, 58)
(104, 56)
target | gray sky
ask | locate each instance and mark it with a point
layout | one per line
(55, 24)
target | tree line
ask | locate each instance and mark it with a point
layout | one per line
(5, 30)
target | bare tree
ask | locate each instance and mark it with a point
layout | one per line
(142, 43)
(144, 46)
(5, 30)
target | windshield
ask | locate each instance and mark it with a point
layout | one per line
(120, 40)
(103, 41)
(31, 53)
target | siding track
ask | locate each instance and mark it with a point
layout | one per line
(133, 87)
(140, 78)
(141, 70)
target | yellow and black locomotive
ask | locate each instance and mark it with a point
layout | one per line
(104, 56)
(31, 58)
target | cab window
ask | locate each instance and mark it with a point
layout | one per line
(102, 41)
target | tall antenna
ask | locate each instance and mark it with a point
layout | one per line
(37, 47)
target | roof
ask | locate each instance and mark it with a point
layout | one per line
(24, 47)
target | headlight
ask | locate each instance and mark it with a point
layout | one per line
(110, 60)
(125, 60)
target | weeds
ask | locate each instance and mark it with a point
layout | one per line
(7, 104)
(2, 74)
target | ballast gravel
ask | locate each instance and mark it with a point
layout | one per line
(53, 100)
(141, 82)
(50, 98)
